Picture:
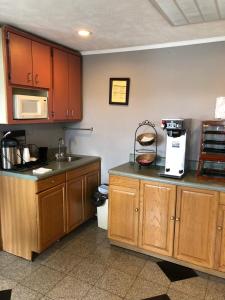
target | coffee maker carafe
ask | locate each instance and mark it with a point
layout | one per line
(9, 152)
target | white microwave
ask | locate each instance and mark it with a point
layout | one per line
(30, 107)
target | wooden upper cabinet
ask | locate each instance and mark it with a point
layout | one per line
(66, 86)
(29, 61)
(75, 109)
(20, 60)
(60, 84)
(157, 217)
(123, 210)
(41, 65)
(195, 228)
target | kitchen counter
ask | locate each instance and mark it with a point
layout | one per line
(56, 166)
(152, 173)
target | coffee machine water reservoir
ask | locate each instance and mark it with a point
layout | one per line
(175, 147)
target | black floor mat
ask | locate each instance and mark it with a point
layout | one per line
(160, 297)
(5, 295)
(176, 272)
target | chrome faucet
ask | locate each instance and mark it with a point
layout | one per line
(60, 155)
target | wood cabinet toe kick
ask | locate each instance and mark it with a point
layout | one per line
(177, 223)
(35, 214)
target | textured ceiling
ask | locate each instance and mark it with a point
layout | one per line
(114, 24)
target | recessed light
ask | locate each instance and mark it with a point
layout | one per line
(84, 33)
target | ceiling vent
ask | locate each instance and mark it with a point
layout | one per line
(184, 12)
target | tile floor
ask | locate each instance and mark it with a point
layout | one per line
(83, 265)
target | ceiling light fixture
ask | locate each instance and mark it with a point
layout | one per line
(84, 33)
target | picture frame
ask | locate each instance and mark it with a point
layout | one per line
(119, 91)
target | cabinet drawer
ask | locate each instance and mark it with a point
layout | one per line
(82, 170)
(50, 182)
(123, 181)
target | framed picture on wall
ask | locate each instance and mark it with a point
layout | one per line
(119, 91)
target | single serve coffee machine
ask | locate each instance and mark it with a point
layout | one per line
(175, 147)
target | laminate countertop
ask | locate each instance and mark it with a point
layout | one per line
(56, 166)
(153, 174)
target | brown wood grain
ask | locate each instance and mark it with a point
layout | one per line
(195, 227)
(49, 182)
(51, 216)
(42, 67)
(75, 101)
(18, 216)
(157, 217)
(75, 202)
(220, 239)
(123, 210)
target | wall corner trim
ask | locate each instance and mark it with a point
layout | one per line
(157, 46)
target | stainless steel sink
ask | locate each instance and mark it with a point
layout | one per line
(69, 158)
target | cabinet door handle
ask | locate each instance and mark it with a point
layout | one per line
(72, 112)
(36, 79)
(219, 228)
(29, 77)
(177, 219)
(67, 112)
(172, 218)
(136, 209)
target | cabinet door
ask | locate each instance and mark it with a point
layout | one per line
(220, 239)
(196, 226)
(41, 55)
(51, 216)
(20, 57)
(75, 109)
(157, 217)
(60, 85)
(91, 183)
(75, 201)
(123, 214)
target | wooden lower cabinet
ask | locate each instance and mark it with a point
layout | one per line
(195, 228)
(157, 215)
(51, 216)
(181, 224)
(75, 202)
(91, 182)
(220, 236)
(35, 214)
(123, 210)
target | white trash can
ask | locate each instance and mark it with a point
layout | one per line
(102, 215)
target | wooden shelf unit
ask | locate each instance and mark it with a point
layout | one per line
(212, 150)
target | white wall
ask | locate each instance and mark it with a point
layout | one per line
(177, 82)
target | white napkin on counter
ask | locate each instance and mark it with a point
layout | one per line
(41, 171)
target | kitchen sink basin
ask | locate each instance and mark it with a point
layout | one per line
(68, 158)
